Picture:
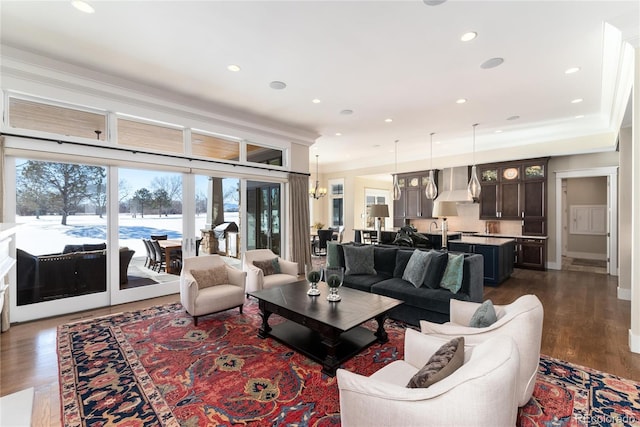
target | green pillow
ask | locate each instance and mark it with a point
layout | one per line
(484, 316)
(358, 260)
(416, 268)
(452, 277)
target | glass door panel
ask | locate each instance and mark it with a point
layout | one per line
(150, 227)
(274, 207)
(61, 243)
(217, 216)
(263, 216)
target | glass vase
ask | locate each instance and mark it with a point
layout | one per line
(334, 276)
(313, 276)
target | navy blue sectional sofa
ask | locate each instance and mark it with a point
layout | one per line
(422, 303)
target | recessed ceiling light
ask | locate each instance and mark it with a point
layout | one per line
(277, 85)
(513, 118)
(461, 101)
(576, 101)
(316, 101)
(233, 67)
(388, 120)
(572, 70)
(466, 37)
(338, 134)
(433, 2)
(580, 116)
(83, 6)
(346, 112)
(499, 131)
(491, 63)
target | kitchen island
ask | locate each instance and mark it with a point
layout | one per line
(497, 254)
(388, 236)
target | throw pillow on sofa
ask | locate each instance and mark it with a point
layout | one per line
(443, 363)
(416, 268)
(384, 260)
(358, 260)
(269, 266)
(402, 259)
(452, 276)
(435, 270)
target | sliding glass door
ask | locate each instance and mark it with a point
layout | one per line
(62, 238)
(263, 216)
(149, 227)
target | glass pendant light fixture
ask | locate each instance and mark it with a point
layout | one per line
(317, 191)
(431, 191)
(474, 183)
(397, 192)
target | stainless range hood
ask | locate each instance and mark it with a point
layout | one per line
(453, 185)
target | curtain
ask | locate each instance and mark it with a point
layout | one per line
(300, 244)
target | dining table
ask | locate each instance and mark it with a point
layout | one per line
(171, 246)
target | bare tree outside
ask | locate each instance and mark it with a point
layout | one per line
(64, 186)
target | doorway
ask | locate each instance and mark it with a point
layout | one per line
(264, 216)
(584, 225)
(563, 210)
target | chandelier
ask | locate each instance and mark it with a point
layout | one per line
(317, 191)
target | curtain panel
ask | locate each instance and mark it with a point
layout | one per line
(300, 244)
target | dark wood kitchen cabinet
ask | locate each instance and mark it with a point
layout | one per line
(413, 202)
(530, 253)
(515, 191)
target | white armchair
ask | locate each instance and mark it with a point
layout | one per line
(480, 393)
(521, 320)
(201, 301)
(256, 280)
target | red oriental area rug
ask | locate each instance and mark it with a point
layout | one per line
(154, 368)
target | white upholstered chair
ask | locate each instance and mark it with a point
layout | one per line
(480, 393)
(521, 320)
(201, 301)
(256, 280)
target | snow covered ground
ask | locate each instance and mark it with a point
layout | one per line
(46, 235)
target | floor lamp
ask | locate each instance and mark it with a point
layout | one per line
(444, 210)
(379, 212)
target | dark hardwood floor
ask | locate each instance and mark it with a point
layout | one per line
(584, 323)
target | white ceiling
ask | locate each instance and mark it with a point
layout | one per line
(381, 59)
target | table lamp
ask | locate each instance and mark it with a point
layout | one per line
(444, 210)
(379, 212)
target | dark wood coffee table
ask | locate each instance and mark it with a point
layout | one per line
(327, 332)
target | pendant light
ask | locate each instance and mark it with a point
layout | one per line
(397, 192)
(317, 192)
(474, 183)
(431, 191)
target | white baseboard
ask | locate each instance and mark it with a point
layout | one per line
(624, 294)
(587, 255)
(554, 266)
(634, 342)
